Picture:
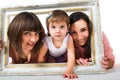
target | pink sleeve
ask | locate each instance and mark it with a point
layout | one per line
(108, 51)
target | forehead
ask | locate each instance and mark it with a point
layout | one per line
(79, 25)
(58, 23)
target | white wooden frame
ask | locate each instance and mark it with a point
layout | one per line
(91, 7)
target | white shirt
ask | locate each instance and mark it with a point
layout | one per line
(56, 52)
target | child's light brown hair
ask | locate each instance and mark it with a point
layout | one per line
(57, 16)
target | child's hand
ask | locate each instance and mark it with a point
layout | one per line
(69, 75)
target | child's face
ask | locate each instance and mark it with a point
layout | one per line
(29, 40)
(58, 30)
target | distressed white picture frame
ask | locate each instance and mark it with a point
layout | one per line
(90, 7)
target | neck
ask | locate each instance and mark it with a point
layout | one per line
(26, 52)
(57, 43)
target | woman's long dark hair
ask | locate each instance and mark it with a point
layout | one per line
(24, 21)
(77, 16)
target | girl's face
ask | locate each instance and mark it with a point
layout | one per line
(29, 40)
(79, 31)
(58, 30)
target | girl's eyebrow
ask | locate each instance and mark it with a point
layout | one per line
(84, 27)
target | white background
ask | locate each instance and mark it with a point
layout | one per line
(109, 11)
(110, 15)
(110, 23)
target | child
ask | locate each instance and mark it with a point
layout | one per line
(58, 41)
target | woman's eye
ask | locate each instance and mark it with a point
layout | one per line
(26, 33)
(82, 30)
(72, 32)
(37, 33)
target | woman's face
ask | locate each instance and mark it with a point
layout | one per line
(29, 40)
(80, 32)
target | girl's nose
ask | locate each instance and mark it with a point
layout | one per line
(33, 38)
(57, 30)
(79, 36)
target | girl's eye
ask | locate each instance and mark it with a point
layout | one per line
(62, 27)
(26, 33)
(37, 33)
(72, 32)
(53, 27)
(84, 29)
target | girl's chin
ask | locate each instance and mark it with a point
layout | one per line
(81, 44)
(30, 47)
